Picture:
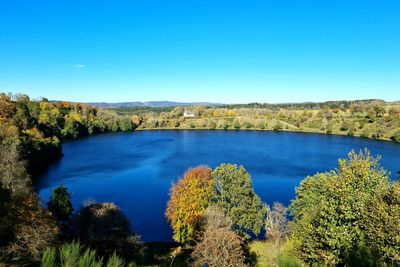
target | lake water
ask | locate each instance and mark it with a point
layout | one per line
(135, 170)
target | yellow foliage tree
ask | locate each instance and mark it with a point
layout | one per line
(190, 197)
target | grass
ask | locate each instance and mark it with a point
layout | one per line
(272, 254)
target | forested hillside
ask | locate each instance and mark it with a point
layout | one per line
(369, 118)
(38, 127)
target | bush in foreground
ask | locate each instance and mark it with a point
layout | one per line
(220, 245)
(347, 215)
(105, 227)
(73, 255)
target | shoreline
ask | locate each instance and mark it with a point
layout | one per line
(259, 130)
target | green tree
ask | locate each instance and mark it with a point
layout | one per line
(330, 210)
(236, 125)
(226, 124)
(383, 223)
(236, 196)
(60, 204)
(278, 126)
(125, 123)
(396, 136)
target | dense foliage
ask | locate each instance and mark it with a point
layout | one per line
(348, 215)
(189, 199)
(37, 127)
(228, 187)
(236, 197)
(26, 228)
(219, 245)
(369, 118)
(60, 205)
(105, 227)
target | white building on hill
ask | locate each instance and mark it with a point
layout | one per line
(188, 114)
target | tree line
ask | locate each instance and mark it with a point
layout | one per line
(369, 119)
(38, 127)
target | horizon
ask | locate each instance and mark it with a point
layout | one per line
(39, 98)
(201, 51)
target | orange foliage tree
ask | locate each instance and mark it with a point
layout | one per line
(190, 197)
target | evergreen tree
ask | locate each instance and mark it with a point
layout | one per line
(60, 204)
(236, 196)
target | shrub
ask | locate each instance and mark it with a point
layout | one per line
(219, 248)
(88, 259)
(261, 124)
(345, 126)
(72, 255)
(396, 136)
(219, 245)
(248, 125)
(115, 261)
(284, 259)
(351, 131)
(212, 125)
(329, 129)
(278, 126)
(69, 254)
(105, 227)
(276, 223)
(226, 124)
(49, 258)
(236, 125)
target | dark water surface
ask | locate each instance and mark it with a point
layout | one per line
(135, 170)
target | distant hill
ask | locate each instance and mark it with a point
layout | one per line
(301, 105)
(152, 104)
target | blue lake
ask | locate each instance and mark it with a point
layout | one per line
(135, 170)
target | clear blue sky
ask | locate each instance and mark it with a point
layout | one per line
(201, 50)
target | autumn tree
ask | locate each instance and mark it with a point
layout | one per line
(189, 199)
(26, 228)
(13, 174)
(34, 228)
(7, 108)
(236, 197)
